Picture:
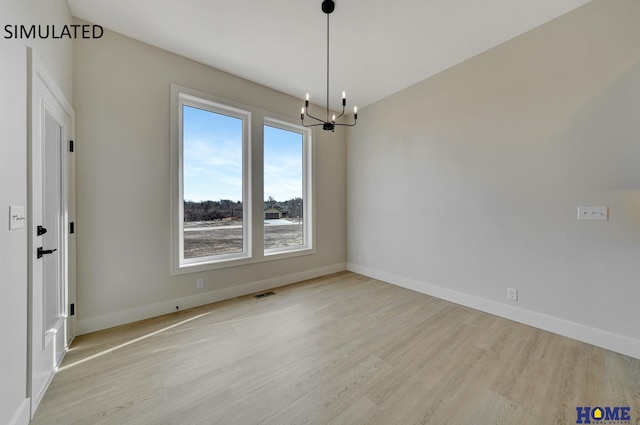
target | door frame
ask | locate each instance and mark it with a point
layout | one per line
(38, 75)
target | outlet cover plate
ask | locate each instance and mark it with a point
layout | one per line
(593, 213)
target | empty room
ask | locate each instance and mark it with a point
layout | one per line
(320, 212)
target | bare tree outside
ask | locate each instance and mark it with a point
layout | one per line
(214, 227)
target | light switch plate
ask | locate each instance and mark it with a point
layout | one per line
(16, 217)
(593, 213)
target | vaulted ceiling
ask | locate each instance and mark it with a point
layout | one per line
(377, 47)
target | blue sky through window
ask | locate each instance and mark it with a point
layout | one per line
(282, 164)
(212, 154)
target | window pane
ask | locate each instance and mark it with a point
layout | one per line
(283, 188)
(212, 183)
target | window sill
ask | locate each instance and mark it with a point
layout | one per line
(271, 255)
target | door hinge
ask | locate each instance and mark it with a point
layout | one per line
(72, 227)
(70, 145)
(72, 309)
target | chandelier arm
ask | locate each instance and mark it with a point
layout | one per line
(343, 106)
(346, 125)
(311, 116)
(355, 121)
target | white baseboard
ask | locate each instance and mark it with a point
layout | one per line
(23, 414)
(93, 324)
(604, 339)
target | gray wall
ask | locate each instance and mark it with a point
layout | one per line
(467, 183)
(57, 58)
(121, 89)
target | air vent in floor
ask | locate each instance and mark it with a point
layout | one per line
(266, 294)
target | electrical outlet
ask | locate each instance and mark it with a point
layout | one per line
(200, 283)
(512, 294)
(593, 213)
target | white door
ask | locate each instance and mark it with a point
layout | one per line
(50, 123)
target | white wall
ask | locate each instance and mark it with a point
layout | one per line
(467, 183)
(122, 101)
(57, 57)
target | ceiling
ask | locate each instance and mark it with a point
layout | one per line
(377, 47)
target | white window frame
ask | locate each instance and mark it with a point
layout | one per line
(307, 187)
(181, 98)
(253, 184)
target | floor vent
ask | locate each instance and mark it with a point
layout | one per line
(266, 294)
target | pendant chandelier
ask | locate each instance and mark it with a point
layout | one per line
(329, 124)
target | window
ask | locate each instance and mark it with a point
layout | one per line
(215, 215)
(213, 184)
(285, 180)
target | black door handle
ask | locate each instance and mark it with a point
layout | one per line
(42, 252)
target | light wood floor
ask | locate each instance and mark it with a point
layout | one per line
(343, 349)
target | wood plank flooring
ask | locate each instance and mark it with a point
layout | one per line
(342, 349)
